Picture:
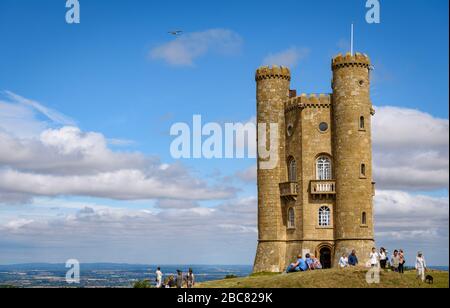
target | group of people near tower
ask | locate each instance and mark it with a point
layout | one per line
(309, 263)
(381, 260)
(376, 258)
(179, 281)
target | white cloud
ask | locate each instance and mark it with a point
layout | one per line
(18, 224)
(411, 150)
(289, 57)
(120, 185)
(51, 114)
(67, 161)
(398, 209)
(91, 233)
(413, 223)
(185, 49)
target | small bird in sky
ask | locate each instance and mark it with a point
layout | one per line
(176, 32)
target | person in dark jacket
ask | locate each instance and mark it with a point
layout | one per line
(353, 259)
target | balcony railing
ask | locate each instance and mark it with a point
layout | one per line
(289, 190)
(323, 188)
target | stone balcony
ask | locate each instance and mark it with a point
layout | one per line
(323, 189)
(289, 191)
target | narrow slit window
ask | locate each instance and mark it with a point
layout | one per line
(291, 219)
(362, 123)
(292, 170)
(364, 218)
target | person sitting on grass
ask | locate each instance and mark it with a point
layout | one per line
(316, 263)
(170, 282)
(353, 259)
(343, 261)
(299, 266)
(309, 262)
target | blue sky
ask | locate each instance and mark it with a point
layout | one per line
(104, 75)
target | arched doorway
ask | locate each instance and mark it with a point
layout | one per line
(325, 257)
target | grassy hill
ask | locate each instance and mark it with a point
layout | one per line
(334, 278)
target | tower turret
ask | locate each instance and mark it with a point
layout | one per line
(273, 85)
(352, 147)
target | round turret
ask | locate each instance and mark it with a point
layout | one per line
(352, 110)
(273, 85)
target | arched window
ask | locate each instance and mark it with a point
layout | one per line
(323, 169)
(291, 218)
(324, 216)
(364, 218)
(363, 170)
(362, 123)
(292, 170)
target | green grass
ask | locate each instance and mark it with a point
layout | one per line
(334, 278)
(144, 284)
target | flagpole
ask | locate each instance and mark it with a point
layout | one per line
(351, 44)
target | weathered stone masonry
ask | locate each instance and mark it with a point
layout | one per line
(319, 198)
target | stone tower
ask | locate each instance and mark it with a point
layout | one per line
(273, 86)
(317, 197)
(352, 146)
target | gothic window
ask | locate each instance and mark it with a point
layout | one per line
(292, 170)
(362, 123)
(291, 218)
(364, 218)
(323, 168)
(324, 216)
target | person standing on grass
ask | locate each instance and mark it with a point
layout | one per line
(190, 279)
(374, 258)
(159, 278)
(395, 261)
(179, 279)
(421, 266)
(383, 258)
(401, 265)
(353, 259)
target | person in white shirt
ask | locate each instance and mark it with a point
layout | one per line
(343, 261)
(421, 266)
(159, 277)
(374, 258)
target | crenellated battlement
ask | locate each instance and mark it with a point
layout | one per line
(274, 72)
(356, 60)
(308, 101)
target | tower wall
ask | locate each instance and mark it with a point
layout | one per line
(273, 86)
(352, 147)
